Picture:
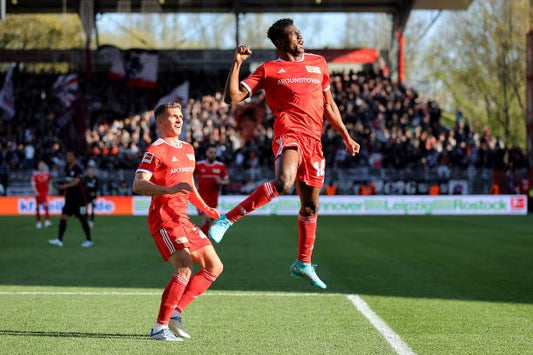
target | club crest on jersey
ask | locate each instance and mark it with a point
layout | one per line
(148, 157)
(190, 156)
(313, 69)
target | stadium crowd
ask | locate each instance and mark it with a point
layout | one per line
(395, 126)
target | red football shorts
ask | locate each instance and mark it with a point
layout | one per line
(41, 198)
(174, 235)
(311, 162)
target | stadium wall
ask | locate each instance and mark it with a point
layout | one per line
(290, 205)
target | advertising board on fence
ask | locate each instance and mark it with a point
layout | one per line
(290, 205)
(105, 205)
(377, 205)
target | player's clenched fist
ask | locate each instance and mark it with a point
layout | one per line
(242, 53)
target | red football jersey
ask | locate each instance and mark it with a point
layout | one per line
(294, 92)
(168, 165)
(41, 181)
(206, 176)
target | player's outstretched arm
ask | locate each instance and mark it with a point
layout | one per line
(333, 115)
(143, 186)
(233, 91)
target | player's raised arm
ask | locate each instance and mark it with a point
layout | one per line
(234, 92)
(333, 115)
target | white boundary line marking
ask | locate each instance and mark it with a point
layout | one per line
(208, 293)
(390, 335)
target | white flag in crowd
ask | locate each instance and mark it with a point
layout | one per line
(7, 100)
(141, 68)
(179, 94)
(66, 88)
(116, 71)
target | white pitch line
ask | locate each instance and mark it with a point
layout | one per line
(390, 335)
(213, 293)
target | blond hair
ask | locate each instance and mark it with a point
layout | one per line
(165, 107)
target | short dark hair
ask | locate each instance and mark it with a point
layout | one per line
(211, 145)
(277, 30)
(164, 107)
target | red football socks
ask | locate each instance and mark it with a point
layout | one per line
(173, 292)
(260, 197)
(306, 237)
(200, 282)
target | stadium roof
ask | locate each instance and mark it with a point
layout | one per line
(401, 8)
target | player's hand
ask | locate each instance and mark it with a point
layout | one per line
(212, 212)
(352, 146)
(181, 187)
(242, 53)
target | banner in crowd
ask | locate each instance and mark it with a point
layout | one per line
(66, 88)
(141, 68)
(116, 71)
(290, 205)
(7, 100)
(138, 67)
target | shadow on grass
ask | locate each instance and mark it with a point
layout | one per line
(50, 334)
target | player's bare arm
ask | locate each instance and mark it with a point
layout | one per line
(143, 186)
(199, 203)
(233, 91)
(333, 115)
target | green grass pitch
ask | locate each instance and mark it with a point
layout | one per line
(445, 285)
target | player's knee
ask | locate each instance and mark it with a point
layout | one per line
(184, 272)
(283, 185)
(216, 269)
(309, 209)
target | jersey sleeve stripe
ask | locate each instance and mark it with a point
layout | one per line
(144, 171)
(246, 87)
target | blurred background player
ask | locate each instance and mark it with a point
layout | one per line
(75, 202)
(297, 89)
(210, 175)
(166, 174)
(91, 183)
(41, 183)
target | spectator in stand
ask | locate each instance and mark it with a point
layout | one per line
(331, 188)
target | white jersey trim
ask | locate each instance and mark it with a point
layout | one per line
(145, 171)
(247, 88)
(160, 141)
